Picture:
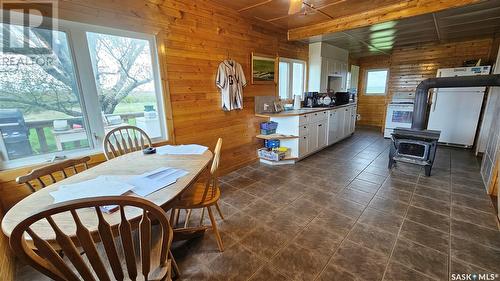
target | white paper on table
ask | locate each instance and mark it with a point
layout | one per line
(181, 149)
(100, 186)
(150, 182)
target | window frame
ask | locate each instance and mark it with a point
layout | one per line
(386, 82)
(290, 63)
(76, 34)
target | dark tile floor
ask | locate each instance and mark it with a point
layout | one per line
(342, 215)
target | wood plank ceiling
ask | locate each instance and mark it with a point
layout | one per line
(481, 19)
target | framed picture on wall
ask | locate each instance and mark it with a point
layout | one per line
(263, 69)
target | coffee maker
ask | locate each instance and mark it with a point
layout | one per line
(311, 99)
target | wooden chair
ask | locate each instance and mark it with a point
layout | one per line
(203, 195)
(46, 175)
(103, 260)
(123, 140)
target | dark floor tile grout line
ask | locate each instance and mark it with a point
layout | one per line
(286, 243)
(399, 232)
(449, 230)
(412, 269)
(350, 230)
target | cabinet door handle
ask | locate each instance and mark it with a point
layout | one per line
(304, 137)
(305, 127)
(320, 125)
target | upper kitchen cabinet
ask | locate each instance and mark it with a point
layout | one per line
(327, 68)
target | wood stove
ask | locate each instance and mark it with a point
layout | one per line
(418, 145)
(415, 147)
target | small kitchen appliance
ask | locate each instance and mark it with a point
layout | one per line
(342, 98)
(311, 99)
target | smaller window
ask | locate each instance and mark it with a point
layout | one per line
(291, 78)
(284, 76)
(298, 79)
(376, 82)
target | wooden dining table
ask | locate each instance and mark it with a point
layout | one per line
(134, 163)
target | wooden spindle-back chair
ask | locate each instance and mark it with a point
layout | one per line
(203, 195)
(105, 260)
(123, 140)
(46, 175)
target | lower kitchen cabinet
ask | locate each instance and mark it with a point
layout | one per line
(352, 121)
(322, 129)
(316, 130)
(303, 146)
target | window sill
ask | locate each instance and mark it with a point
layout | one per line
(95, 154)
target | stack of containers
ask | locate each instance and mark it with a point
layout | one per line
(271, 150)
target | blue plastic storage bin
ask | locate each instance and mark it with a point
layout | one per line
(269, 125)
(272, 143)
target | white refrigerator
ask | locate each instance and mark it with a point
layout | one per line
(455, 111)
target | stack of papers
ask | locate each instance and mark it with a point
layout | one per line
(141, 185)
(100, 186)
(150, 182)
(181, 149)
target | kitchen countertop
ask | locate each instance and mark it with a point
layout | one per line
(297, 112)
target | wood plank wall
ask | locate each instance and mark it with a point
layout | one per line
(193, 38)
(370, 108)
(7, 261)
(409, 66)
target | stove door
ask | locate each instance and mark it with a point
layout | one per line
(399, 115)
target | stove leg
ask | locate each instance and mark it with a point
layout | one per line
(391, 163)
(428, 170)
(391, 157)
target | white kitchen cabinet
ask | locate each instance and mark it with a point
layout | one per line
(322, 134)
(317, 136)
(345, 117)
(313, 138)
(303, 145)
(332, 126)
(314, 130)
(343, 73)
(326, 60)
(330, 66)
(352, 122)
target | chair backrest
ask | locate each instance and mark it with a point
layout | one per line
(212, 180)
(216, 159)
(123, 140)
(47, 260)
(46, 175)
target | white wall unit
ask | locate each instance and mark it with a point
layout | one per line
(316, 130)
(326, 60)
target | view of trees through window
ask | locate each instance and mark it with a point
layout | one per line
(41, 104)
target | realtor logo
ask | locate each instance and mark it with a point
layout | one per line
(27, 15)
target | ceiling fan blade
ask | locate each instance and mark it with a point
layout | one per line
(295, 7)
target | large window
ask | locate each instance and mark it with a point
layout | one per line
(291, 78)
(63, 102)
(376, 82)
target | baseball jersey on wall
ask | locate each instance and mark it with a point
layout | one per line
(231, 80)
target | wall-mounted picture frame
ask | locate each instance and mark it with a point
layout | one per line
(263, 69)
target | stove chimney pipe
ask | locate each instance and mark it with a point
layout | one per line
(421, 95)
